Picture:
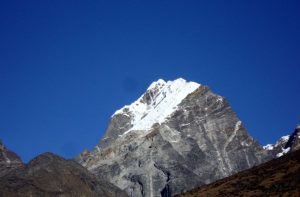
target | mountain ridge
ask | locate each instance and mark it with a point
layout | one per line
(49, 175)
(177, 136)
(285, 144)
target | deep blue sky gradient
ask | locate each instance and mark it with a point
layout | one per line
(66, 66)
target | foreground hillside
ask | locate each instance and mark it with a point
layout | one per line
(279, 177)
(49, 175)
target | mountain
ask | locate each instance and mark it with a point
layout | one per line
(285, 144)
(176, 136)
(278, 177)
(9, 161)
(49, 175)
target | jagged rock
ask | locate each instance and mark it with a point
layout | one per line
(176, 136)
(285, 144)
(50, 175)
(294, 140)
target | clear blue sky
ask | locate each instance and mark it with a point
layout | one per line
(66, 66)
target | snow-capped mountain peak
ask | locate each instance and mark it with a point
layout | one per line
(280, 143)
(285, 144)
(176, 134)
(157, 103)
(283, 139)
(155, 84)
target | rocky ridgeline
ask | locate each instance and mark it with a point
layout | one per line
(49, 175)
(285, 144)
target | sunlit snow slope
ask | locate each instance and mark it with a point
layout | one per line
(159, 101)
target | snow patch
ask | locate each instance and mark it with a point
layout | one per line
(282, 140)
(285, 138)
(284, 151)
(237, 126)
(244, 143)
(164, 98)
(220, 99)
(126, 115)
(268, 147)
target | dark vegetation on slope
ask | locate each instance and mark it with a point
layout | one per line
(278, 177)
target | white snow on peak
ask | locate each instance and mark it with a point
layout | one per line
(285, 138)
(162, 99)
(280, 142)
(268, 147)
(298, 126)
(158, 83)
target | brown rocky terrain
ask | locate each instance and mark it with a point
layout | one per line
(278, 177)
(50, 175)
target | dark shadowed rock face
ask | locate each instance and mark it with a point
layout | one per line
(51, 175)
(200, 141)
(294, 140)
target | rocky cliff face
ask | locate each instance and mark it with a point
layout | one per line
(285, 144)
(176, 136)
(49, 175)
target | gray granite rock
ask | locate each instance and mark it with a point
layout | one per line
(201, 141)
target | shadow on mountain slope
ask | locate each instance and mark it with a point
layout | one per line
(49, 175)
(278, 177)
